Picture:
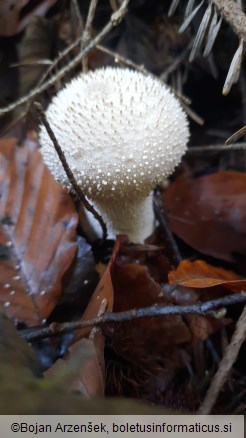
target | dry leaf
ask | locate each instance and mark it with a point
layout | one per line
(199, 281)
(37, 234)
(200, 274)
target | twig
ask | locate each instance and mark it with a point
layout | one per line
(76, 9)
(216, 148)
(87, 31)
(116, 18)
(161, 217)
(234, 137)
(225, 366)
(43, 119)
(233, 14)
(156, 311)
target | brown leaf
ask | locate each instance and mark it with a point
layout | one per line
(92, 374)
(200, 281)
(150, 344)
(37, 234)
(79, 370)
(134, 288)
(202, 327)
(104, 293)
(91, 379)
(209, 213)
(200, 274)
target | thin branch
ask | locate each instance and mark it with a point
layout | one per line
(116, 18)
(200, 309)
(43, 119)
(234, 137)
(225, 366)
(75, 6)
(88, 30)
(216, 148)
(161, 217)
(233, 14)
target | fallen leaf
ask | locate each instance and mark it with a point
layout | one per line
(78, 370)
(200, 274)
(37, 234)
(147, 348)
(22, 392)
(92, 374)
(134, 288)
(200, 281)
(209, 213)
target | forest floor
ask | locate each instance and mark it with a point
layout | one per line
(161, 322)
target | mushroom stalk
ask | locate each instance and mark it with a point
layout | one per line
(135, 219)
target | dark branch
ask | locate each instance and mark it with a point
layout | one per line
(155, 310)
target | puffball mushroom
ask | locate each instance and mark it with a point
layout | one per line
(122, 133)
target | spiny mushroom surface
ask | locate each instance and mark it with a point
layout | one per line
(122, 133)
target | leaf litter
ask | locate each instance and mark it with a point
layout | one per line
(151, 358)
(37, 241)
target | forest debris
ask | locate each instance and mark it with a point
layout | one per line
(225, 365)
(79, 370)
(38, 223)
(234, 70)
(233, 14)
(115, 19)
(22, 392)
(200, 274)
(205, 308)
(209, 213)
(207, 282)
(201, 32)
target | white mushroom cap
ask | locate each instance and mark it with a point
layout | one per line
(122, 133)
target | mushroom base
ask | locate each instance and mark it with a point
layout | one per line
(134, 219)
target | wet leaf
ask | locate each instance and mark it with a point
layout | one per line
(209, 213)
(37, 234)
